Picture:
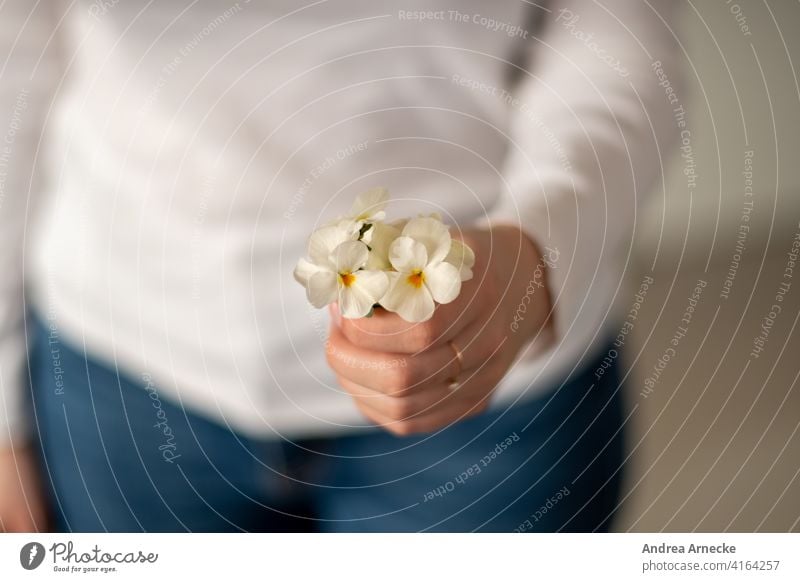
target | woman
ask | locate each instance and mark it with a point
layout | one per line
(164, 167)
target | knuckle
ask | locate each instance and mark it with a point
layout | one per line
(400, 408)
(397, 378)
(424, 335)
(352, 332)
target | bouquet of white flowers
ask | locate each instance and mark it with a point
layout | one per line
(362, 262)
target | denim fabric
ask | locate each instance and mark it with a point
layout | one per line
(119, 456)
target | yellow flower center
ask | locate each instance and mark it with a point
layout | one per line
(347, 279)
(416, 279)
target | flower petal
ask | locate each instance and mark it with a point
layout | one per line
(414, 304)
(350, 226)
(370, 204)
(462, 258)
(399, 224)
(304, 271)
(383, 235)
(407, 255)
(434, 215)
(322, 288)
(324, 240)
(443, 281)
(372, 283)
(365, 291)
(433, 234)
(349, 256)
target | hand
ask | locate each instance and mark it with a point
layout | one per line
(407, 378)
(22, 507)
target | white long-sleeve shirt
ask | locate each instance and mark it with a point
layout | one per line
(163, 164)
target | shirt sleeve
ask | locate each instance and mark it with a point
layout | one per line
(28, 75)
(592, 123)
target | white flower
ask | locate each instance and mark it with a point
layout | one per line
(320, 247)
(368, 208)
(421, 276)
(335, 273)
(382, 237)
(462, 257)
(406, 266)
(400, 223)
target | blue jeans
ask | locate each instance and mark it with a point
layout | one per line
(118, 456)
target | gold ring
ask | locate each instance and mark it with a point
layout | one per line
(453, 382)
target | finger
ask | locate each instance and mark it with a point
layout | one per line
(427, 423)
(404, 428)
(471, 398)
(399, 408)
(388, 332)
(381, 420)
(399, 374)
(442, 418)
(394, 374)
(405, 416)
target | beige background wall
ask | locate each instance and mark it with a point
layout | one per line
(743, 92)
(716, 444)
